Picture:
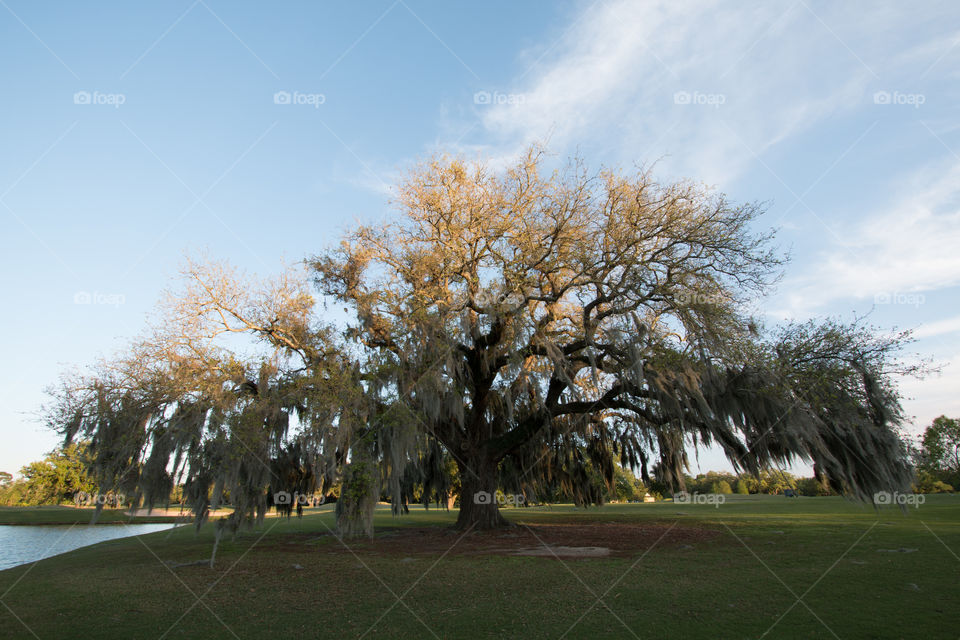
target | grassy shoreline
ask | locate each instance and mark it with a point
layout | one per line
(61, 515)
(809, 567)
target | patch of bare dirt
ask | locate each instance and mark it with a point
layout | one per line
(545, 540)
(550, 551)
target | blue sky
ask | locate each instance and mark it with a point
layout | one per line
(133, 133)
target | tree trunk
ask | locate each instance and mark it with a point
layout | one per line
(478, 495)
(359, 494)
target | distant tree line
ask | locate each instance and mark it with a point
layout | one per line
(56, 479)
(938, 457)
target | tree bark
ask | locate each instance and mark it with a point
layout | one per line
(359, 494)
(478, 494)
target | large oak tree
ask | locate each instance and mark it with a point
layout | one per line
(533, 326)
(539, 321)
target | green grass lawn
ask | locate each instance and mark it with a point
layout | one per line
(788, 568)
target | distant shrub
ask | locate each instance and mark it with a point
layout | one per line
(721, 486)
(929, 483)
(812, 487)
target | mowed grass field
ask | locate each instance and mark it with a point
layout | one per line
(756, 566)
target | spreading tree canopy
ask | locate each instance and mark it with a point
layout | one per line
(538, 321)
(528, 327)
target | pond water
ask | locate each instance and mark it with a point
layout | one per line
(22, 544)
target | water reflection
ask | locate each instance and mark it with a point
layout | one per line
(23, 544)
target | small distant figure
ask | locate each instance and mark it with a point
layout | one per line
(790, 493)
(299, 509)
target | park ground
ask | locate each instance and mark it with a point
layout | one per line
(755, 566)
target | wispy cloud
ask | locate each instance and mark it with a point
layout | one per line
(909, 248)
(938, 328)
(706, 90)
(934, 395)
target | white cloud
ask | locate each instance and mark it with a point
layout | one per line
(936, 395)
(938, 328)
(742, 74)
(910, 248)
